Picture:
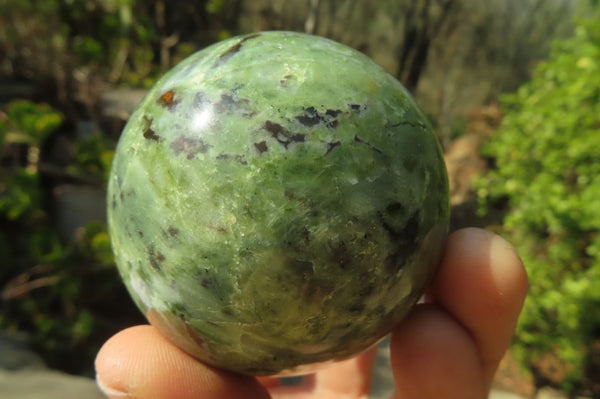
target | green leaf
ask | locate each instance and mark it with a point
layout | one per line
(36, 121)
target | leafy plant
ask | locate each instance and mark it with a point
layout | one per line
(62, 293)
(29, 123)
(547, 153)
(24, 128)
(92, 157)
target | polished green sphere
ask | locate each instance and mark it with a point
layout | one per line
(277, 201)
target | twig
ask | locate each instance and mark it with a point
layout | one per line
(23, 284)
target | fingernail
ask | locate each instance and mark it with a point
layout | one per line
(112, 393)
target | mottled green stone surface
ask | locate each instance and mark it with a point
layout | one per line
(276, 201)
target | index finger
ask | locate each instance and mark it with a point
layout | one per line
(451, 346)
(483, 284)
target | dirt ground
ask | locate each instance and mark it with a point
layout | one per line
(510, 377)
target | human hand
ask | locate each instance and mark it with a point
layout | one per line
(448, 347)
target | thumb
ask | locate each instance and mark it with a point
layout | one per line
(139, 363)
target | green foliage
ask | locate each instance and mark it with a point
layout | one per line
(547, 153)
(58, 291)
(95, 243)
(29, 123)
(214, 6)
(25, 125)
(93, 157)
(106, 36)
(19, 195)
(53, 294)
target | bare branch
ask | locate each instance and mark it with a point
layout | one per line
(311, 21)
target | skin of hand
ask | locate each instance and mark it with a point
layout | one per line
(448, 347)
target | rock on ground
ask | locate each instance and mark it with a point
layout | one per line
(46, 384)
(23, 375)
(503, 395)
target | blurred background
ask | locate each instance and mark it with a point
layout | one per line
(512, 88)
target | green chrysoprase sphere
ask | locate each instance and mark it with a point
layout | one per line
(277, 201)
